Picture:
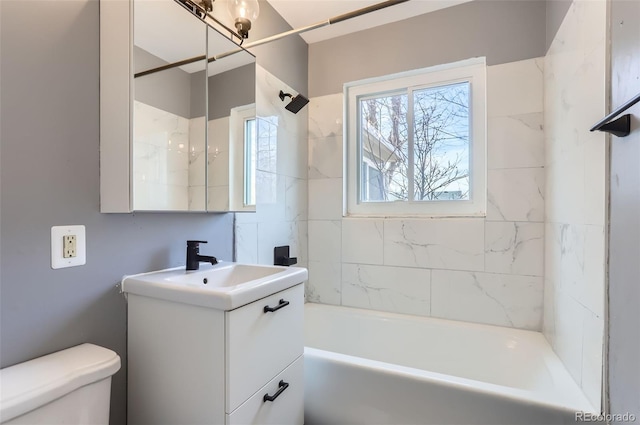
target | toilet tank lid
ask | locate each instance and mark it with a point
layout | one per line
(29, 385)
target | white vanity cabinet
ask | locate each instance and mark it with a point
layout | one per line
(190, 364)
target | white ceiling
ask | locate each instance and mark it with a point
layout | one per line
(301, 13)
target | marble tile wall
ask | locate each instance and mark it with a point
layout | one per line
(161, 159)
(281, 179)
(197, 172)
(576, 96)
(169, 165)
(480, 270)
(218, 165)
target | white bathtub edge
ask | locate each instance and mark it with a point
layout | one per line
(519, 395)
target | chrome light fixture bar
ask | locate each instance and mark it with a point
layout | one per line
(330, 21)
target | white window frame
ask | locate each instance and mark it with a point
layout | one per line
(471, 70)
(237, 156)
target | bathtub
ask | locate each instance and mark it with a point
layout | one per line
(367, 367)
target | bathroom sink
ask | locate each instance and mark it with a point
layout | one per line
(225, 286)
(227, 275)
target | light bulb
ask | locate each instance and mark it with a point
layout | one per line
(243, 12)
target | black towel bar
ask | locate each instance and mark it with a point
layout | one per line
(620, 127)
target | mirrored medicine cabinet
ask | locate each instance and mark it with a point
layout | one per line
(177, 112)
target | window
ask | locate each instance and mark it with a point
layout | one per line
(416, 143)
(250, 162)
(242, 158)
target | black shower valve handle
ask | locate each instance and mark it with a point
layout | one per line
(281, 256)
(287, 261)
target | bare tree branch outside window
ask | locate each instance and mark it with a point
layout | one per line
(440, 129)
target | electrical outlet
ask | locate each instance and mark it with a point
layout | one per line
(68, 246)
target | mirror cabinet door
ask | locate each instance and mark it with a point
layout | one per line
(231, 125)
(177, 112)
(168, 140)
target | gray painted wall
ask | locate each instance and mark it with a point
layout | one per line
(168, 90)
(624, 233)
(182, 93)
(503, 31)
(231, 89)
(556, 11)
(226, 90)
(285, 58)
(49, 99)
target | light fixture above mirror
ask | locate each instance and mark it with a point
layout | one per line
(207, 5)
(243, 13)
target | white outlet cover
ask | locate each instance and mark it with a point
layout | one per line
(57, 234)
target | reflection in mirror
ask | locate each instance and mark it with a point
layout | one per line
(193, 144)
(249, 163)
(231, 125)
(168, 109)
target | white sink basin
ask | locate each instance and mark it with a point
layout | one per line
(224, 286)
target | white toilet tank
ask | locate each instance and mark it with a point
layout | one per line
(71, 386)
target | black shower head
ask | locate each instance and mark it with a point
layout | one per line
(296, 103)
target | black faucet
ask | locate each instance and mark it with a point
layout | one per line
(194, 258)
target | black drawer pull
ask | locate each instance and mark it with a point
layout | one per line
(282, 303)
(283, 386)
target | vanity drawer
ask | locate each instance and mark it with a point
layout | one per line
(260, 344)
(287, 407)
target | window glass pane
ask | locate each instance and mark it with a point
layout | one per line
(250, 162)
(372, 184)
(383, 154)
(441, 142)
